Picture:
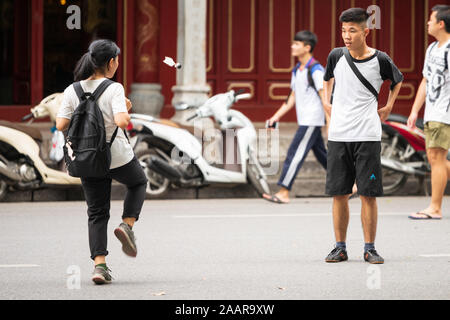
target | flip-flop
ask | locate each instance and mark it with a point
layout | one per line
(426, 217)
(274, 199)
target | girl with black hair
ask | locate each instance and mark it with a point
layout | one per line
(99, 64)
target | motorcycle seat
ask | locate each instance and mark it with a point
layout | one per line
(32, 132)
(190, 129)
(402, 119)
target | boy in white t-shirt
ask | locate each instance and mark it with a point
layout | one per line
(306, 95)
(435, 88)
(354, 138)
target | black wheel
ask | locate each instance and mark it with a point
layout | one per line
(3, 189)
(158, 185)
(394, 148)
(257, 179)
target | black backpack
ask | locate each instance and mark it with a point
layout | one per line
(86, 152)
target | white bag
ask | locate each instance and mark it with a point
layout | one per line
(57, 152)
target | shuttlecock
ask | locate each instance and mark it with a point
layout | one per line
(171, 63)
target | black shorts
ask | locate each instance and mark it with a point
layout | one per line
(350, 161)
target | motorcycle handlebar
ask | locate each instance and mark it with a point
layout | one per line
(27, 117)
(240, 91)
(193, 117)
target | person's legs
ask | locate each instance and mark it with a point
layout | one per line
(369, 218)
(370, 186)
(297, 152)
(448, 169)
(319, 150)
(98, 194)
(341, 217)
(340, 178)
(437, 136)
(133, 177)
(439, 177)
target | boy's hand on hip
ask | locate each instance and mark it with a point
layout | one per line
(129, 104)
(384, 113)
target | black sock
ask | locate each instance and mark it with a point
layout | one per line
(342, 245)
(369, 246)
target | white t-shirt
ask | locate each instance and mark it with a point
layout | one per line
(111, 102)
(438, 83)
(354, 112)
(307, 101)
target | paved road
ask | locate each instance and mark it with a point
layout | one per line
(224, 249)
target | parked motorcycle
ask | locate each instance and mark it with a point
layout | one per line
(174, 156)
(21, 164)
(403, 154)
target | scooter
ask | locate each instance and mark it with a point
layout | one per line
(174, 156)
(403, 154)
(21, 164)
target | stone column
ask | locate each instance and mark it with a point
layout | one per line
(191, 85)
(146, 90)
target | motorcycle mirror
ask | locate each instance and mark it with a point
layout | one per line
(243, 96)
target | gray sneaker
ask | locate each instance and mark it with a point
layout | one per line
(126, 237)
(101, 276)
(373, 257)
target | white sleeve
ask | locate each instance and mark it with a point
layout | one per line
(318, 79)
(293, 82)
(68, 104)
(424, 71)
(118, 102)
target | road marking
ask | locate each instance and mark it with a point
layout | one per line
(221, 216)
(280, 215)
(441, 255)
(19, 266)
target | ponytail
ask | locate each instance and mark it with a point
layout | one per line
(84, 68)
(96, 59)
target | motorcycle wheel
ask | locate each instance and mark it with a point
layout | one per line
(257, 180)
(3, 190)
(392, 180)
(158, 185)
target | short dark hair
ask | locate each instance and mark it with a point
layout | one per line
(357, 15)
(307, 37)
(443, 14)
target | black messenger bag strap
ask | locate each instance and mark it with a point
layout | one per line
(364, 81)
(114, 136)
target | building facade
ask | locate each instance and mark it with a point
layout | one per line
(246, 45)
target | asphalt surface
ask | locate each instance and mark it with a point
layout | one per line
(224, 249)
